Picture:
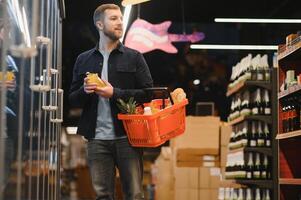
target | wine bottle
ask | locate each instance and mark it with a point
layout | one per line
(244, 135)
(261, 137)
(266, 103)
(250, 166)
(254, 66)
(265, 168)
(232, 138)
(245, 105)
(238, 136)
(265, 65)
(257, 196)
(241, 168)
(260, 73)
(240, 194)
(232, 110)
(257, 167)
(249, 195)
(267, 135)
(267, 194)
(253, 139)
(227, 193)
(256, 102)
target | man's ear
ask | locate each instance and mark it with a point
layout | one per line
(99, 25)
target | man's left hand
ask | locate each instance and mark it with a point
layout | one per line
(106, 92)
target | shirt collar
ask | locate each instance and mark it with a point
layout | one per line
(120, 47)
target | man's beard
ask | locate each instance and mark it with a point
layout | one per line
(111, 34)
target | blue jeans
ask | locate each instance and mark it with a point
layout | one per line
(104, 156)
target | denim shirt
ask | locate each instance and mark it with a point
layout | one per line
(128, 73)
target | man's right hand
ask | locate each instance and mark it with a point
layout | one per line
(89, 88)
(10, 85)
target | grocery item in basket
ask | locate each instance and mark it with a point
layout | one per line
(94, 78)
(127, 107)
(178, 95)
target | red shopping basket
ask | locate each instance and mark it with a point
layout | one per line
(153, 130)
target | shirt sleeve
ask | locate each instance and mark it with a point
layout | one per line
(77, 95)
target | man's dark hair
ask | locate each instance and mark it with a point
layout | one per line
(99, 12)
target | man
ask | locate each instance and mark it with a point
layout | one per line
(10, 109)
(125, 73)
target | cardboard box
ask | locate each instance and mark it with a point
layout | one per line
(183, 194)
(225, 134)
(186, 178)
(204, 177)
(205, 194)
(198, 163)
(208, 194)
(163, 193)
(200, 133)
(209, 178)
(213, 194)
(192, 154)
(224, 153)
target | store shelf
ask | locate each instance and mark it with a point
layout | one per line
(259, 183)
(230, 184)
(247, 84)
(290, 91)
(288, 135)
(265, 118)
(290, 52)
(290, 181)
(263, 150)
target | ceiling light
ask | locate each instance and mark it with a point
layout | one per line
(132, 2)
(234, 47)
(249, 20)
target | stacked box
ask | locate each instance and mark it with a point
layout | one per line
(190, 167)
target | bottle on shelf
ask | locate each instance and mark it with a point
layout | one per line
(249, 195)
(245, 105)
(261, 137)
(266, 103)
(267, 136)
(238, 136)
(265, 64)
(257, 195)
(241, 169)
(250, 167)
(257, 167)
(260, 69)
(265, 173)
(254, 69)
(267, 194)
(240, 194)
(244, 134)
(247, 64)
(256, 104)
(253, 138)
(232, 138)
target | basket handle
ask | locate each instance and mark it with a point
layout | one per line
(163, 93)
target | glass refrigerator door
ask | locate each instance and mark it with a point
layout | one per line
(31, 99)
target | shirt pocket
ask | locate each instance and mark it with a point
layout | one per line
(125, 76)
(126, 68)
